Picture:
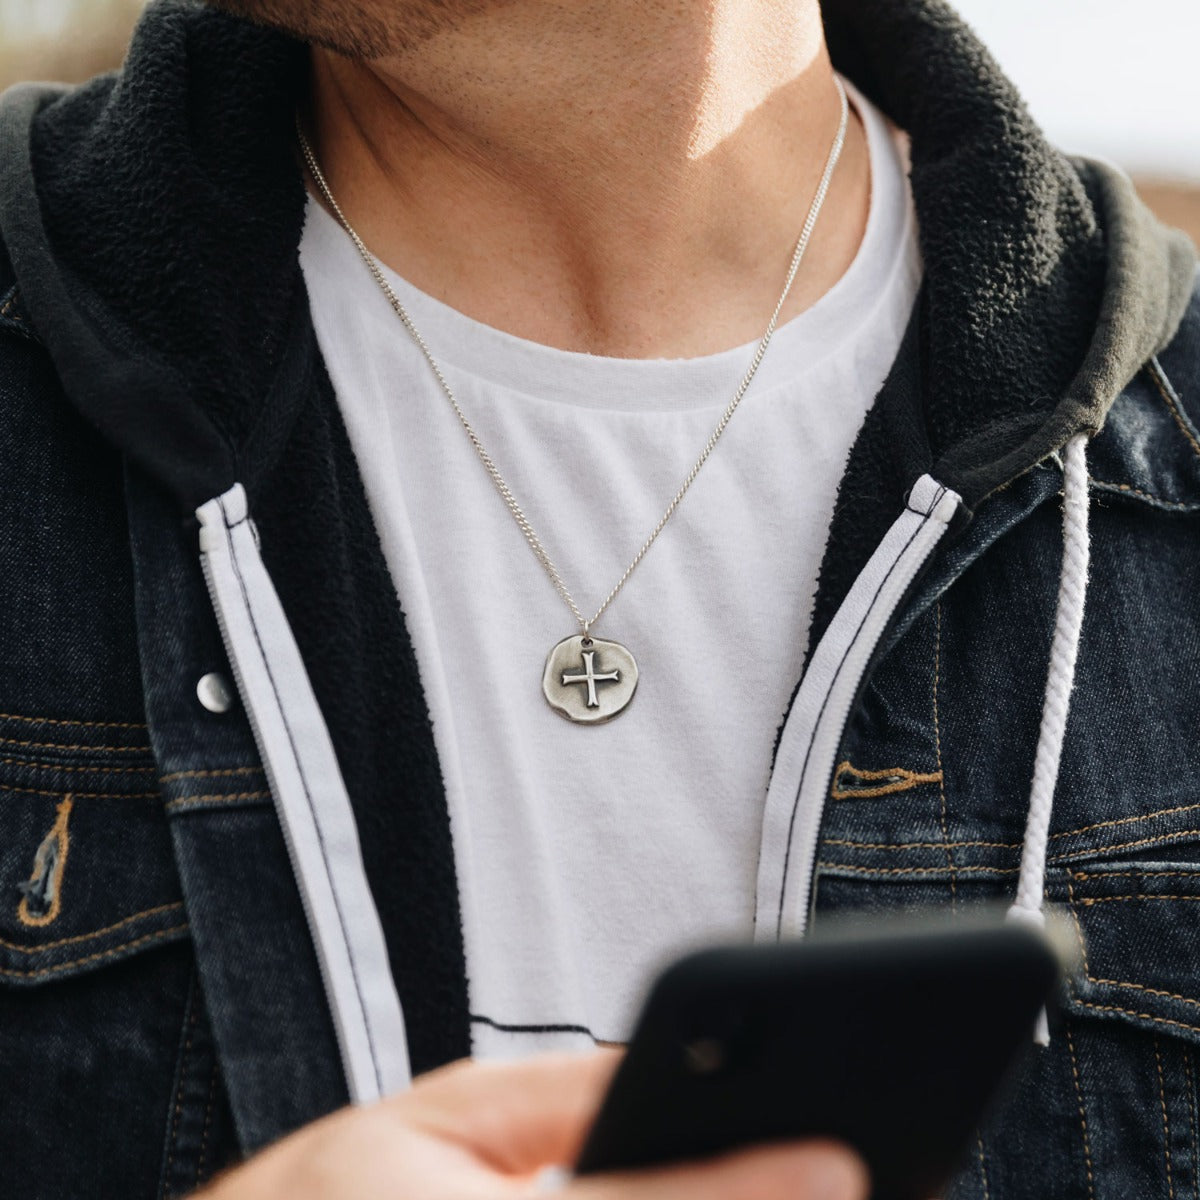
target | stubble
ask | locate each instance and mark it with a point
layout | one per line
(365, 29)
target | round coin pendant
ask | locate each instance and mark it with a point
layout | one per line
(589, 680)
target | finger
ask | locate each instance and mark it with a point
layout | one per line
(516, 1116)
(798, 1171)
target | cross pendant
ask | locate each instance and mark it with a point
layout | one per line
(590, 677)
(588, 680)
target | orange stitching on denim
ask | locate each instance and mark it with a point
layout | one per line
(1155, 371)
(919, 845)
(1191, 1098)
(1121, 983)
(60, 838)
(57, 968)
(913, 870)
(1087, 1146)
(74, 724)
(1162, 1099)
(1158, 812)
(1161, 840)
(1128, 487)
(1140, 987)
(1083, 955)
(983, 1175)
(183, 1063)
(207, 773)
(937, 741)
(95, 933)
(900, 780)
(1017, 845)
(1067, 833)
(74, 746)
(208, 1108)
(34, 766)
(1084, 876)
(1065, 857)
(28, 791)
(215, 798)
(1130, 1012)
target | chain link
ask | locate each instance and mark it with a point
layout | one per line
(527, 530)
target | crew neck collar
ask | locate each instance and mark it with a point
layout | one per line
(467, 347)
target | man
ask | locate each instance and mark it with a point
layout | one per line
(351, 357)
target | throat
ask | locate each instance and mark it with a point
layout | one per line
(634, 197)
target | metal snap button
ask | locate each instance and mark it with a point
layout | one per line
(214, 692)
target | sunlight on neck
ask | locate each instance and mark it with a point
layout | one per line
(741, 75)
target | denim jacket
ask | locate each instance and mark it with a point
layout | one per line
(227, 892)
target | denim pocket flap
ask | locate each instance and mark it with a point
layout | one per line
(1139, 942)
(87, 874)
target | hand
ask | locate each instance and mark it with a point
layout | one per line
(484, 1131)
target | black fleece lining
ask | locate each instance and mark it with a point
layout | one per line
(185, 161)
(324, 557)
(131, 382)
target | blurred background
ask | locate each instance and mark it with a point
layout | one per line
(1104, 77)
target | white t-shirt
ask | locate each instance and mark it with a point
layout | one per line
(589, 855)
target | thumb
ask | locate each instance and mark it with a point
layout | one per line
(515, 1116)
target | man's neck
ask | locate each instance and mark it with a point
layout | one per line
(623, 177)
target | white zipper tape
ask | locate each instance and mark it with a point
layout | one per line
(310, 799)
(813, 732)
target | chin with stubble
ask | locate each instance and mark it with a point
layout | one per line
(358, 28)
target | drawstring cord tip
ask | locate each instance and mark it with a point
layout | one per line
(1041, 1029)
(1032, 918)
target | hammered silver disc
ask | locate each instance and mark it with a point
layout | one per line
(589, 680)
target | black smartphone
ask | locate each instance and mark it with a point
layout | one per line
(892, 1042)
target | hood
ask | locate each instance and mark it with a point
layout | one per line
(152, 219)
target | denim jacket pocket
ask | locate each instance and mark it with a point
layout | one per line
(1111, 1109)
(86, 870)
(101, 1017)
(1130, 1015)
(1136, 923)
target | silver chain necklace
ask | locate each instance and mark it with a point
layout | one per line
(587, 679)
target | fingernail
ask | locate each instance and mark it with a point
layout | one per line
(836, 1174)
(552, 1179)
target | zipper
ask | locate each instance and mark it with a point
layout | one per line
(351, 953)
(268, 766)
(816, 723)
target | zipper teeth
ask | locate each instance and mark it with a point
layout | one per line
(843, 717)
(272, 782)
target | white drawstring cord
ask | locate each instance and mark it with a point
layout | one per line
(1060, 679)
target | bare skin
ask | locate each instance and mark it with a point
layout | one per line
(623, 177)
(485, 1131)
